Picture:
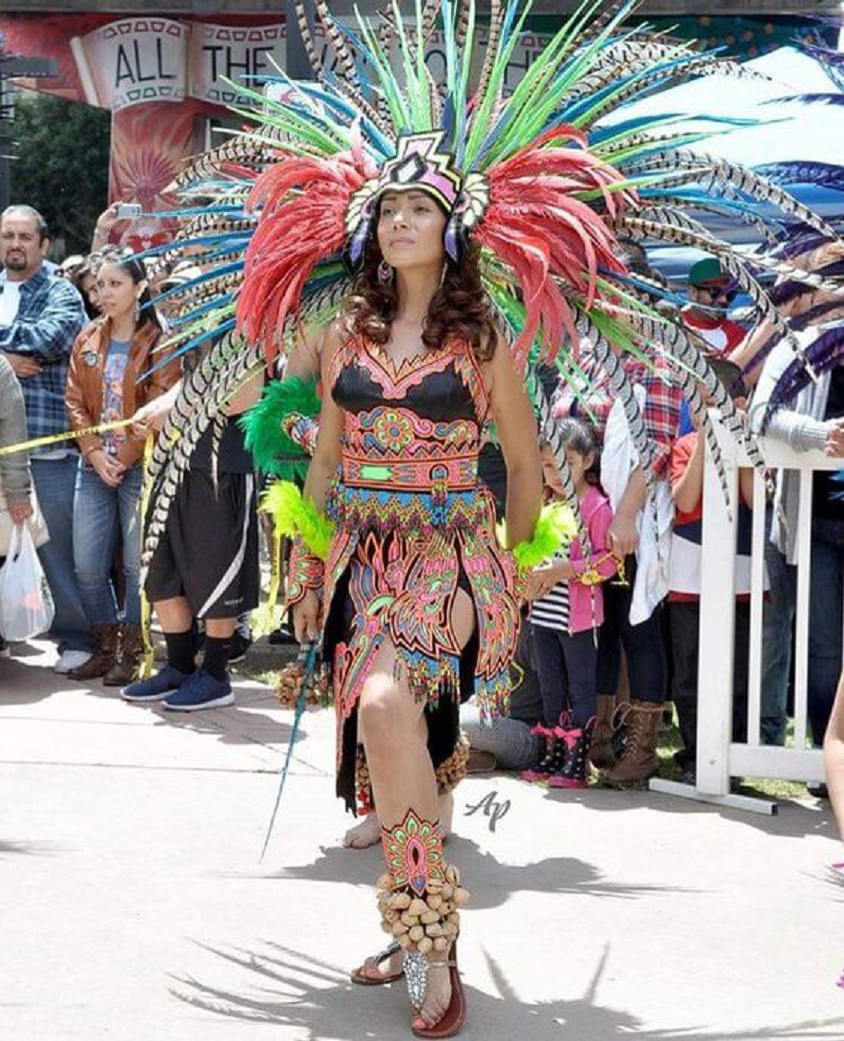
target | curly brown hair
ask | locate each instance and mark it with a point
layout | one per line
(458, 308)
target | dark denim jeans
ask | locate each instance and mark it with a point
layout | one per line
(54, 483)
(99, 514)
(567, 667)
(825, 621)
(644, 646)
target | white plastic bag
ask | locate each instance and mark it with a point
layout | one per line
(26, 604)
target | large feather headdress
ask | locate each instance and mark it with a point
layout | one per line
(538, 176)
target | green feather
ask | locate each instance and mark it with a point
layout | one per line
(384, 76)
(273, 451)
(293, 514)
(555, 527)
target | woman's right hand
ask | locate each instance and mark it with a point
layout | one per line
(109, 470)
(306, 617)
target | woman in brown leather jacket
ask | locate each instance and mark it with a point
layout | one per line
(109, 378)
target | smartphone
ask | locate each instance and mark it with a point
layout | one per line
(129, 209)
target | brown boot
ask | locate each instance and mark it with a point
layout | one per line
(601, 754)
(103, 657)
(130, 648)
(638, 761)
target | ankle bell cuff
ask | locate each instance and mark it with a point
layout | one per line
(419, 896)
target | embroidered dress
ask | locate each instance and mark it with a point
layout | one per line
(414, 526)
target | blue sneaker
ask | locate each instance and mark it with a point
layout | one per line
(200, 690)
(157, 687)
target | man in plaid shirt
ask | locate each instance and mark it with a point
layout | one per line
(643, 642)
(40, 317)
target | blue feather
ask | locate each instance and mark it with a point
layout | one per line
(809, 99)
(824, 175)
(646, 287)
(831, 61)
(206, 276)
(308, 659)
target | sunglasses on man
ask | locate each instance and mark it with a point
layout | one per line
(724, 291)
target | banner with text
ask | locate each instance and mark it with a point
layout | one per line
(133, 61)
(137, 60)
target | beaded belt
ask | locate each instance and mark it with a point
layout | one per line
(433, 475)
(411, 512)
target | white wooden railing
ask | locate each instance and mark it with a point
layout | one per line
(719, 758)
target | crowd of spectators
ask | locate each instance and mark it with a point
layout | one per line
(611, 630)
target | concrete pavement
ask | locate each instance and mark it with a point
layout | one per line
(134, 904)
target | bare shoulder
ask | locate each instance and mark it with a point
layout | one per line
(499, 370)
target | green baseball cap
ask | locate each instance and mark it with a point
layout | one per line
(707, 270)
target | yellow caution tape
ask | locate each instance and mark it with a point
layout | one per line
(68, 435)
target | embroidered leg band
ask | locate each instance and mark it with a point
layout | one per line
(419, 897)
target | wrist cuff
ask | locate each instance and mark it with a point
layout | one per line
(305, 571)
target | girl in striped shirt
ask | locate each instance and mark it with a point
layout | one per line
(568, 608)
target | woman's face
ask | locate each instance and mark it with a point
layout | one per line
(410, 231)
(88, 285)
(117, 294)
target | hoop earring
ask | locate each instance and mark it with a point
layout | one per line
(385, 273)
(443, 273)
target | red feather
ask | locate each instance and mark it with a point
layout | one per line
(302, 203)
(536, 224)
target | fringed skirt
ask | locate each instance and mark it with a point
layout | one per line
(399, 585)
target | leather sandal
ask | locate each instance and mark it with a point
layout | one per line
(367, 975)
(452, 1020)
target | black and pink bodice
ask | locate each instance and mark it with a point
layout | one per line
(411, 439)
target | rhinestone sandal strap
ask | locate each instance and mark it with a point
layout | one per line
(388, 952)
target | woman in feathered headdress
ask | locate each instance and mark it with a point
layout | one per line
(443, 235)
(418, 602)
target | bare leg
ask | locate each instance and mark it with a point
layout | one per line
(175, 614)
(220, 628)
(395, 737)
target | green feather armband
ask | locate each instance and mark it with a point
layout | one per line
(554, 530)
(294, 515)
(267, 430)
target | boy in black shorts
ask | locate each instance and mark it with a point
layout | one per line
(205, 565)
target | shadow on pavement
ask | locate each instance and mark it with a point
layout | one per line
(296, 990)
(793, 819)
(24, 684)
(32, 849)
(493, 882)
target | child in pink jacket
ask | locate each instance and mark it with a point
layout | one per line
(568, 608)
